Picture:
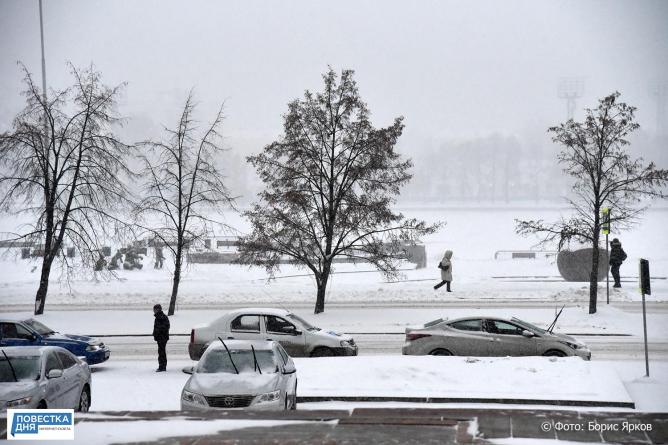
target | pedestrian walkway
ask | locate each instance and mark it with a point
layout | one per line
(389, 426)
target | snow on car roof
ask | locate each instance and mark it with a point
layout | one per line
(259, 311)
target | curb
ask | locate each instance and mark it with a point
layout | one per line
(583, 403)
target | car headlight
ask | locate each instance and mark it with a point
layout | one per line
(269, 397)
(193, 397)
(347, 343)
(93, 348)
(570, 345)
(19, 402)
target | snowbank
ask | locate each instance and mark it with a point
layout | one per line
(134, 386)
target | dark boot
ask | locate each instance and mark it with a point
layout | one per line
(448, 287)
(438, 286)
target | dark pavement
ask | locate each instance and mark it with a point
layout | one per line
(413, 426)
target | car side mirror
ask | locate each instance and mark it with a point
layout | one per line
(54, 374)
(296, 332)
(33, 337)
(528, 334)
(289, 369)
(188, 369)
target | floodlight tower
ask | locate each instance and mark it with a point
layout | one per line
(659, 91)
(570, 88)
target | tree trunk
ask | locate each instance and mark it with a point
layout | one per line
(176, 280)
(322, 288)
(593, 278)
(40, 298)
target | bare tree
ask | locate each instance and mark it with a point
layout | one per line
(595, 154)
(182, 188)
(62, 165)
(329, 183)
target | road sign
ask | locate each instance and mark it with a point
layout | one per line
(605, 220)
(645, 287)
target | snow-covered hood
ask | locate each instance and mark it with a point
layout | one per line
(563, 337)
(232, 384)
(17, 390)
(330, 335)
(57, 337)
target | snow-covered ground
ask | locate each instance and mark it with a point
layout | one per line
(135, 386)
(482, 284)
(474, 234)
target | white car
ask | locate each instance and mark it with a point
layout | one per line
(296, 335)
(43, 377)
(238, 374)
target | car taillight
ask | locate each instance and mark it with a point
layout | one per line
(192, 336)
(415, 335)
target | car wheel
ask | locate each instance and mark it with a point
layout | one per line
(322, 352)
(554, 353)
(440, 352)
(84, 400)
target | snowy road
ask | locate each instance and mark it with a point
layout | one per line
(603, 348)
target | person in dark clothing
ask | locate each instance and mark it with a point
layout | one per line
(617, 257)
(161, 336)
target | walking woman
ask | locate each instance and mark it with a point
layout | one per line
(446, 271)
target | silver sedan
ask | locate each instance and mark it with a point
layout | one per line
(257, 375)
(489, 336)
(43, 377)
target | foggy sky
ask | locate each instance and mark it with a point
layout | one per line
(453, 69)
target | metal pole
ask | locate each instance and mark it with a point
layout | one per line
(607, 271)
(644, 326)
(41, 32)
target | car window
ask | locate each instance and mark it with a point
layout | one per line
(305, 324)
(278, 325)
(467, 325)
(25, 368)
(14, 330)
(39, 327)
(503, 327)
(66, 359)
(218, 360)
(52, 362)
(246, 323)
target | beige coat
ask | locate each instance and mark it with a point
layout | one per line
(446, 275)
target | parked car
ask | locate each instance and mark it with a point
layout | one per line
(31, 332)
(257, 375)
(43, 377)
(490, 336)
(296, 335)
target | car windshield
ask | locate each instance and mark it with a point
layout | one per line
(26, 368)
(218, 360)
(528, 325)
(305, 324)
(39, 327)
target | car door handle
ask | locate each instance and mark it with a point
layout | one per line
(269, 339)
(230, 338)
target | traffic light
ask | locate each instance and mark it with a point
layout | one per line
(644, 277)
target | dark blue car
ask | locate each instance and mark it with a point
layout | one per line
(33, 333)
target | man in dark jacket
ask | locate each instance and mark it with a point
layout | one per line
(617, 257)
(161, 335)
